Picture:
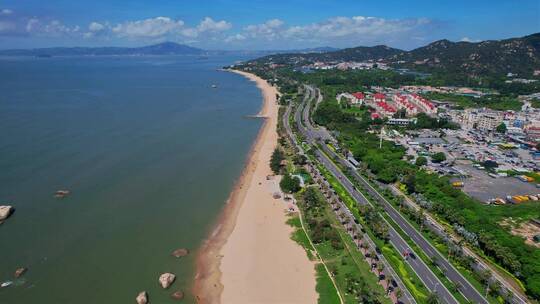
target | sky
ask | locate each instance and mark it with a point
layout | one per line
(262, 25)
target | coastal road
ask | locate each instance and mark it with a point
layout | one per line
(424, 272)
(517, 296)
(407, 298)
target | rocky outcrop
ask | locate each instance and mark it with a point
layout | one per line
(142, 298)
(166, 279)
(180, 252)
(20, 271)
(5, 212)
(178, 295)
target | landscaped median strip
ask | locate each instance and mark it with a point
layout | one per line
(393, 257)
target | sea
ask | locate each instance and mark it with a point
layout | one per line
(149, 152)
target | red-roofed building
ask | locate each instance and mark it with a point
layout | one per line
(385, 109)
(375, 115)
(402, 103)
(423, 104)
(379, 97)
(359, 96)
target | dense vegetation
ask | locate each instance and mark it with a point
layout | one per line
(516, 55)
(275, 161)
(455, 62)
(289, 184)
(347, 265)
(453, 205)
(358, 133)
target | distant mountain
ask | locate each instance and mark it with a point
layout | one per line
(361, 53)
(166, 48)
(519, 56)
(492, 57)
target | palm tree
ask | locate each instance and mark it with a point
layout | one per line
(456, 286)
(432, 298)
(380, 268)
(398, 293)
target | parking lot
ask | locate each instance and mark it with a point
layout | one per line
(483, 187)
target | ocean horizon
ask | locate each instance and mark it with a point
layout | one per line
(149, 152)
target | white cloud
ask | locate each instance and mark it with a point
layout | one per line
(334, 28)
(271, 29)
(212, 33)
(148, 28)
(209, 25)
(96, 27)
(336, 31)
(50, 28)
(234, 38)
(32, 24)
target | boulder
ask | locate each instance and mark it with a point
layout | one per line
(20, 271)
(142, 298)
(178, 295)
(166, 279)
(180, 252)
(5, 212)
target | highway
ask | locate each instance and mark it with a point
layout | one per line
(406, 298)
(314, 136)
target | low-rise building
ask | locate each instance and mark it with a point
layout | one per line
(402, 103)
(423, 104)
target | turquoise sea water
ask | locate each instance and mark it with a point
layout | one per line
(149, 152)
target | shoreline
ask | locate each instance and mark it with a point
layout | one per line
(207, 286)
(237, 246)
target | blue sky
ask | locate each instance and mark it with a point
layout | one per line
(257, 24)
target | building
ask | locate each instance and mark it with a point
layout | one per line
(488, 121)
(423, 104)
(402, 103)
(384, 108)
(400, 121)
(358, 98)
(379, 97)
(533, 133)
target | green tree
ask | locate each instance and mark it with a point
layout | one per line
(410, 181)
(300, 159)
(276, 159)
(289, 184)
(501, 128)
(438, 157)
(432, 298)
(421, 161)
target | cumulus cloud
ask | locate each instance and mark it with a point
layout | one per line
(158, 28)
(96, 27)
(209, 32)
(271, 29)
(336, 31)
(337, 27)
(148, 28)
(234, 38)
(209, 25)
(54, 28)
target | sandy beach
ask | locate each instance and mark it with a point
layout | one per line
(250, 258)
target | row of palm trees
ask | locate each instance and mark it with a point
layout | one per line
(353, 229)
